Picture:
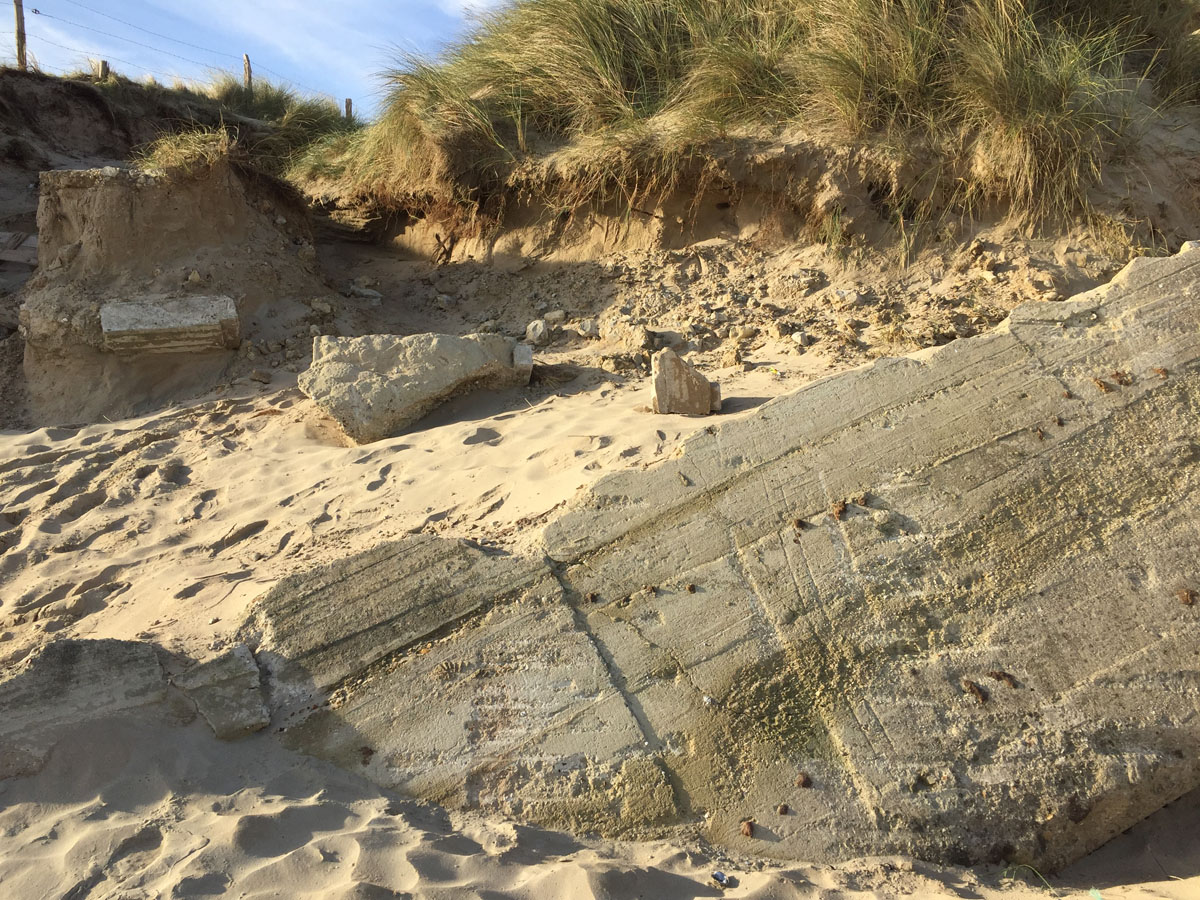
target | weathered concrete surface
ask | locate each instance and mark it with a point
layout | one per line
(377, 385)
(944, 590)
(69, 682)
(170, 325)
(676, 387)
(227, 693)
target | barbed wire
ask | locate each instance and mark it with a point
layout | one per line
(90, 53)
(151, 47)
(165, 37)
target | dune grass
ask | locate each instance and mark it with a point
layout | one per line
(1011, 102)
(271, 125)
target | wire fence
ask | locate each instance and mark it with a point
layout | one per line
(34, 37)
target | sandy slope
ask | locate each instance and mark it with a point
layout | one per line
(131, 810)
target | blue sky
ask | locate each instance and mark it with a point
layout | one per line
(333, 48)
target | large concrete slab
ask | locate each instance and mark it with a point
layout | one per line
(936, 605)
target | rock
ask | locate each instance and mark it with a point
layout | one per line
(262, 376)
(378, 385)
(321, 307)
(677, 388)
(365, 293)
(588, 328)
(555, 318)
(1188, 247)
(537, 332)
(625, 335)
(194, 277)
(948, 680)
(227, 693)
(170, 325)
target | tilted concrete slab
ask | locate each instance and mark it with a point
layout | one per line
(68, 682)
(935, 605)
(170, 325)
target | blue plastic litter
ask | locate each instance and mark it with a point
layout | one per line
(720, 878)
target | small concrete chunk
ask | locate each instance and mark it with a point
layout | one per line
(377, 385)
(227, 692)
(170, 325)
(679, 389)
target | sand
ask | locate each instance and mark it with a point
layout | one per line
(166, 528)
(139, 810)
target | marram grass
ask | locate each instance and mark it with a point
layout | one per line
(1017, 103)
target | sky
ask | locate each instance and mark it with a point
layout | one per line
(316, 46)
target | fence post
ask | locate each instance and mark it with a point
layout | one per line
(247, 75)
(102, 70)
(349, 108)
(19, 9)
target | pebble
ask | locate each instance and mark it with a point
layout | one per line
(536, 332)
(262, 376)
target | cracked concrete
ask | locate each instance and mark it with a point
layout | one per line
(941, 590)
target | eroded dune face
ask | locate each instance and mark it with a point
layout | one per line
(937, 606)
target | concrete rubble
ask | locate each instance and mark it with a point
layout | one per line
(676, 387)
(69, 682)
(930, 606)
(72, 682)
(378, 385)
(227, 693)
(170, 325)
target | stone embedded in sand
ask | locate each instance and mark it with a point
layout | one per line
(774, 639)
(170, 325)
(377, 385)
(227, 693)
(677, 388)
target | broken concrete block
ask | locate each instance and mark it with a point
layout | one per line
(170, 325)
(678, 388)
(227, 693)
(377, 385)
(69, 682)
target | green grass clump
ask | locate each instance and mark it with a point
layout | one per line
(187, 152)
(1010, 102)
(272, 125)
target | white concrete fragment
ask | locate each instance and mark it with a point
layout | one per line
(170, 325)
(676, 387)
(378, 385)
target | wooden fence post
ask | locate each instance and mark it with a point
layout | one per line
(349, 108)
(19, 9)
(247, 75)
(102, 70)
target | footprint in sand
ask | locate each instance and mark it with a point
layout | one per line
(382, 479)
(488, 436)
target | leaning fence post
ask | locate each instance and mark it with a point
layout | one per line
(247, 75)
(349, 108)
